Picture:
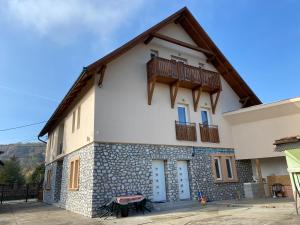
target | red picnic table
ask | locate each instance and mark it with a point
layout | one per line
(125, 200)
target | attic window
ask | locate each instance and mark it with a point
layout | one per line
(201, 65)
(179, 59)
(153, 53)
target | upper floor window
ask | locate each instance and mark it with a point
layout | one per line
(205, 117)
(73, 121)
(153, 53)
(76, 122)
(78, 117)
(179, 59)
(201, 65)
(182, 113)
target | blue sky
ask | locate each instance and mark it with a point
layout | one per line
(45, 44)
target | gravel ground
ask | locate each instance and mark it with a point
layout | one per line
(248, 213)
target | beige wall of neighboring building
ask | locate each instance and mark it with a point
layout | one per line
(122, 111)
(275, 166)
(255, 129)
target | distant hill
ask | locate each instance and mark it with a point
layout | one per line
(29, 154)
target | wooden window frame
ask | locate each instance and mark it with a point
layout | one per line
(48, 179)
(224, 173)
(220, 168)
(74, 169)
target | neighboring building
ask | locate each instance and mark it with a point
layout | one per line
(115, 132)
(254, 131)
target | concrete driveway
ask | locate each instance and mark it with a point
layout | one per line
(247, 213)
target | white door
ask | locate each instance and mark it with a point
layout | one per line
(183, 180)
(159, 185)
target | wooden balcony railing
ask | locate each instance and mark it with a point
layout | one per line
(209, 133)
(185, 131)
(169, 71)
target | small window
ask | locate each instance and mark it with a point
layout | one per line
(78, 117)
(50, 141)
(218, 171)
(201, 65)
(224, 168)
(179, 59)
(182, 114)
(229, 168)
(73, 121)
(153, 53)
(74, 175)
(205, 119)
(48, 181)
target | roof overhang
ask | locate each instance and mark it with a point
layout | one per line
(199, 36)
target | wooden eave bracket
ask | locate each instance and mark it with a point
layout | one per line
(173, 93)
(150, 88)
(244, 101)
(147, 41)
(179, 19)
(214, 102)
(196, 97)
(100, 73)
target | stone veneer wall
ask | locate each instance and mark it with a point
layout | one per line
(124, 169)
(79, 201)
(48, 195)
(108, 170)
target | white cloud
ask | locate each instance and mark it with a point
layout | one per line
(61, 19)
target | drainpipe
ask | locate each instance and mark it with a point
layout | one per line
(39, 138)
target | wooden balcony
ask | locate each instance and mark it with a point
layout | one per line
(177, 74)
(185, 131)
(170, 71)
(209, 133)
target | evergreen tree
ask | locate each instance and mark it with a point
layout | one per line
(37, 176)
(11, 172)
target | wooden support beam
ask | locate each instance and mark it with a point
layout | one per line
(214, 102)
(196, 97)
(173, 93)
(258, 170)
(150, 88)
(147, 41)
(211, 59)
(181, 43)
(100, 74)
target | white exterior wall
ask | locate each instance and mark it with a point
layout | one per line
(122, 113)
(82, 136)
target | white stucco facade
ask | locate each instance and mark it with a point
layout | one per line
(118, 112)
(122, 113)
